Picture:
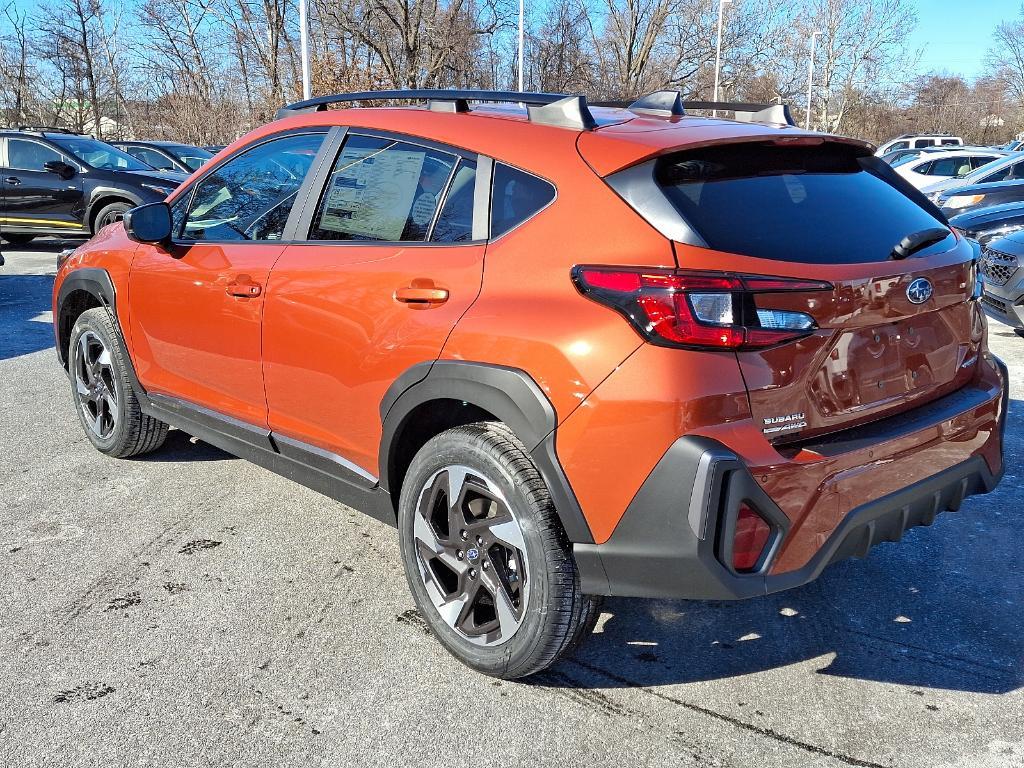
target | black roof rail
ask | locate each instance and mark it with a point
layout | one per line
(558, 109)
(671, 104)
(47, 129)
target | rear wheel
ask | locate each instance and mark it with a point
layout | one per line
(18, 239)
(489, 566)
(108, 214)
(107, 407)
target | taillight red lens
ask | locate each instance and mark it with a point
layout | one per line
(749, 541)
(692, 309)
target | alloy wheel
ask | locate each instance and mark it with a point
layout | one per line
(94, 383)
(471, 555)
(109, 218)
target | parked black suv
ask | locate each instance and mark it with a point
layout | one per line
(55, 182)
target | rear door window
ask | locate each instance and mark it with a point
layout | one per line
(816, 204)
(24, 155)
(515, 197)
(384, 190)
(949, 166)
(918, 143)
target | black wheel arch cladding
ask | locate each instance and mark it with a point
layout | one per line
(510, 394)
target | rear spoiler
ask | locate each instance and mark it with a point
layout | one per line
(671, 104)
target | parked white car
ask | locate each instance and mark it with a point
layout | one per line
(920, 141)
(1009, 168)
(929, 169)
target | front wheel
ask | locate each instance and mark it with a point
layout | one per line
(108, 214)
(487, 560)
(104, 398)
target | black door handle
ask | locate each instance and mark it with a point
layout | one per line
(12, 180)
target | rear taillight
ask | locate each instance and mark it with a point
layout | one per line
(752, 534)
(678, 308)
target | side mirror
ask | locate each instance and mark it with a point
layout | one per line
(59, 167)
(149, 223)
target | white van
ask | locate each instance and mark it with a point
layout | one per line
(911, 141)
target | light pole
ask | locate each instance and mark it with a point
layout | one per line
(810, 81)
(718, 51)
(307, 88)
(522, 11)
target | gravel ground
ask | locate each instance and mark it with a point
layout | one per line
(191, 609)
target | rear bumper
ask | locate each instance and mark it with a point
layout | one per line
(673, 539)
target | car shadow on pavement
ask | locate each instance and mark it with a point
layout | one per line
(181, 446)
(25, 324)
(941, 609)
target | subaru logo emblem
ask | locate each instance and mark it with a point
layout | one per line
(473, 554)
(919, 290)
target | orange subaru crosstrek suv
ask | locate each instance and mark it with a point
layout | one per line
(568, 351)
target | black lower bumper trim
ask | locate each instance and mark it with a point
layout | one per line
(669, 542)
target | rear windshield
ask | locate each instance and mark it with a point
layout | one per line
(812, 204)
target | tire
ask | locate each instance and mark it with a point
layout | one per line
(523, 552)
(18, 239)
(103, 395)
(108, 214)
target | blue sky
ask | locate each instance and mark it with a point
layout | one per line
(953, 35)
(956, 34)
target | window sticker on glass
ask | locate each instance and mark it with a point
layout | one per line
(371, 193)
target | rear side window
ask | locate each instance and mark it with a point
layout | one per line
(455, 222)
(250, 196)
(923, 143)
(515, 197)
(382, 190)
(813, 204)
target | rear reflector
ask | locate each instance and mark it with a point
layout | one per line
(678, 308)
(752, 534)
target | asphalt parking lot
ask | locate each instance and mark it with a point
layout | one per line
(191, 609)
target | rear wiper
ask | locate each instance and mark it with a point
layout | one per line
(914, 242)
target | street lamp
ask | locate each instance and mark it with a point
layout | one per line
(718, 51)
(307, 88)
(810, 81)
(522, 11)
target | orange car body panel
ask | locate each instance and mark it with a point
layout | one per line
(335, 337)
(191, 338)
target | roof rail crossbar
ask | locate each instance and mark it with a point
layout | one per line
(546, 108)
(46, 129)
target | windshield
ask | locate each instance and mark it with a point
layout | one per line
(811, 204)
(99, 154)
(191, 157)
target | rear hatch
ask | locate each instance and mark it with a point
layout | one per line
(886, 298)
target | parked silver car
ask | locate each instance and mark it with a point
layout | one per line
(1001, 262)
